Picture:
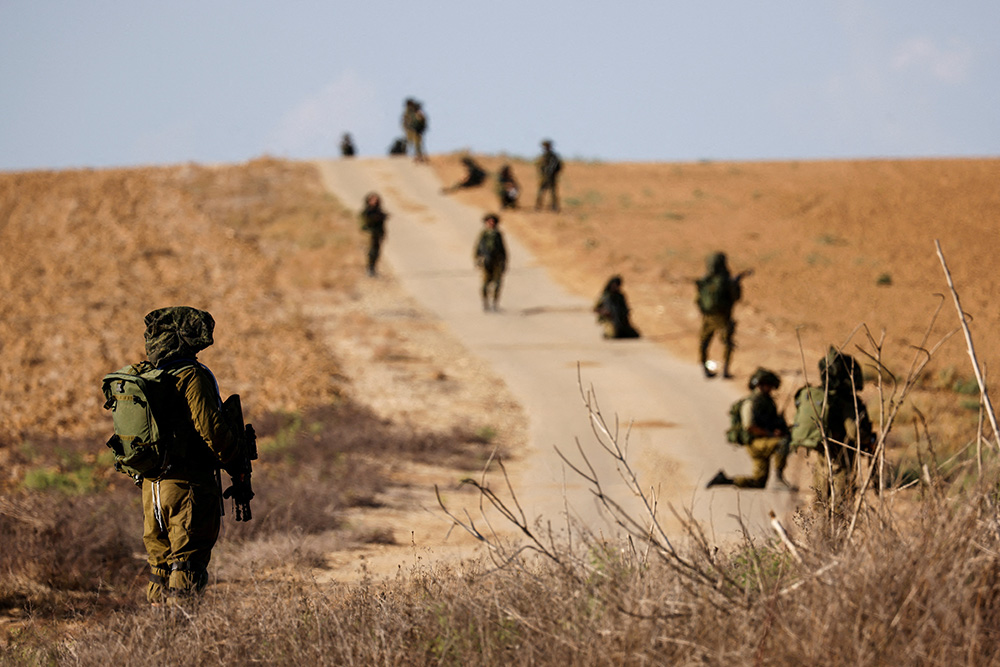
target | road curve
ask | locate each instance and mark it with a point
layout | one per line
(537, 343)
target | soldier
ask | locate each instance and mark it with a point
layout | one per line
(373, 219)
(613, 312)
(346, 145)
(182, 507)
(759, 426)
(475, 176)
(549, 165)
(491, 256)
(507, 187)
(718, 293)
(833, 421)
(415, 124)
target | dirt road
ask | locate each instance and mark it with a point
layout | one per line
(537, 343)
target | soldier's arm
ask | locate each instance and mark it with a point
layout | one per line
(203, 400)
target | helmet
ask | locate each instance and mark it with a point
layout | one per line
(716, 263)
(839, 370)
(762, 376)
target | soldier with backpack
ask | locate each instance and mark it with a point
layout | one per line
(172, 436)
(372, 219)
(414, 123)
(549, 164)
(832, 420)
(718, 292)
(756, 424)
(490, 255)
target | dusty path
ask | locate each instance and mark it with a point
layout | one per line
(537, 343)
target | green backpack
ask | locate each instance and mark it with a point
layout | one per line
(736, 433)
(139, 397)
(812, 409)
(713, 295)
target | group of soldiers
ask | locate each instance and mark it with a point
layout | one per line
(831, 419)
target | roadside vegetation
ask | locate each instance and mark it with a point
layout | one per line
(911, 576)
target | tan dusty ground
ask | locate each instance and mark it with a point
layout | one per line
(834, 245)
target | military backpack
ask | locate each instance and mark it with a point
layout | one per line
(713, 294)
(812, 409)
(140, 398)
(737, 433)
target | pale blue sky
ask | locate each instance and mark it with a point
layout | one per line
(120, 83)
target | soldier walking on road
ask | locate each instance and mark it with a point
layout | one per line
(757, 425)
(718, 292)
(491, 256)
(549, 164)
(373, 219)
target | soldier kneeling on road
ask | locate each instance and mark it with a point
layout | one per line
(757, 425)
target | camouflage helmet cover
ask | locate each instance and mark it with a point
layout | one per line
(763, 376)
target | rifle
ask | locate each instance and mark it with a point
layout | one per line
(241, 490)
(743, 274)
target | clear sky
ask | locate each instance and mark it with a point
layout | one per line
(127, 82)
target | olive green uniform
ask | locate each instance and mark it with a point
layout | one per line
(835, 482)
(182, 505)
(548, 165)
(761, 412)
(372, 221)
(717, 316)
(491, 256)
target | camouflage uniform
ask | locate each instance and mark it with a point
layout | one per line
(613, 311)
(847, 429)
(507, 188)
(549, 165)
(183, 505)
(718, 319)
(373, 219)
(490, 255)
(415, 124)
(764, 431)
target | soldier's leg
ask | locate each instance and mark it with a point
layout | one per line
(760, 451)
(555, 196)
(728, 343)
(374, 250)
(704, 340)
(154, 537)
(538, 197)
(497, 286)
(486, 288)
(193, 523)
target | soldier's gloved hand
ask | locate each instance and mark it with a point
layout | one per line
(240, 491)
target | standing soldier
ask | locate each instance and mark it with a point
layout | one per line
(373, 221)
(181, 495)
(414, 125)
(757, 424)
(491, 256)
(718, 293)
(833, 421)
(549, 165)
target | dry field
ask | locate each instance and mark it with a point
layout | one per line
(355, 394)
